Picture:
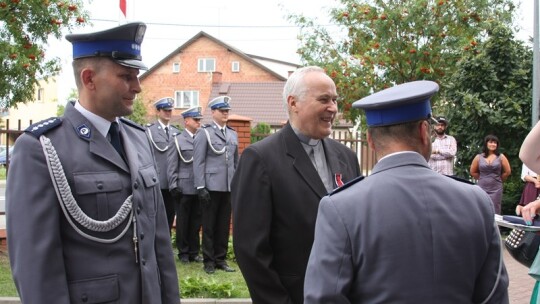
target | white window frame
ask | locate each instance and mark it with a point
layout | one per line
(181, 96)
(235, 66)
(176, 67)
(206, 65)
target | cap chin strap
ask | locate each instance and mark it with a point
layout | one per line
(72, 210)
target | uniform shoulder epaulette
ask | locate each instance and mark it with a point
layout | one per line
(43, 126)
(459, 179)
(347, 185)
(206, 125)
(175, 128)
(149, 124)
(132, 124)
(231, 128)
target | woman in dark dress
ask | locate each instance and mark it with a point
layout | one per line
(491, 168)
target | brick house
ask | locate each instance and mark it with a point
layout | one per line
(205, 67)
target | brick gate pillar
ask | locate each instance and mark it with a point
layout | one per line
(242, 125)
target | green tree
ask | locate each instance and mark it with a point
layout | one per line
(139, 111)
(490, 93)
(25, 27)
(378, 43)
(73, 96)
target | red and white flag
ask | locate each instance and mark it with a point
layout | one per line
(123, 7)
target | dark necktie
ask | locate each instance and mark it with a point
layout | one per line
(114, 134)
(167, 132)
(223, 132)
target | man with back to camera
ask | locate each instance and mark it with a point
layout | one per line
(85, 216)
(188, 209)
(160, 134)
(278, 185)
(215, 156)
(405, 234)
(443, 149)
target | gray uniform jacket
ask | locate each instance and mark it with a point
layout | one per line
(215, 170)
(51, 262)
(161, 145)
(406, 234)
(180, 171)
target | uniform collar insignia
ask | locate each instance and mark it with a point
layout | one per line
(84, 131)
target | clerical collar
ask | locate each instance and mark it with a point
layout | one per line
(305, 139)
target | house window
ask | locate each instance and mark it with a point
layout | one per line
(40, 95)
(207, 65)
(235, 66)
(186, 99)
(176, 67)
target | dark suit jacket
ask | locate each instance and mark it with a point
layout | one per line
(275, 195)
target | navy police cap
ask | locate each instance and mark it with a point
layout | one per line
(165, 103)
(220, 103)
(194, 112)
(399, 104)
(122, 44)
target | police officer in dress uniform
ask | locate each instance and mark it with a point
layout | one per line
(160, 134)
(181, 185)
(215, 157)
(85, 216)
(405, 234)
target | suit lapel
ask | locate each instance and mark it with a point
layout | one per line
(188, 137)
(301, 161)
(160, 131)
(335, 161)
(97, 144)
(131, 153)
(218, 133)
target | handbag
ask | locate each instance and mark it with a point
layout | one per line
(523, 245)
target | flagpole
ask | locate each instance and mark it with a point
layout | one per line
(536, 66)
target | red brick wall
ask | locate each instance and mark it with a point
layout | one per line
(162, 82)
(242, 126)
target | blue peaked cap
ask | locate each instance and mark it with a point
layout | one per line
(399, 104)
(220, 102)
(165, 103)
(194, 112)
(122, 44)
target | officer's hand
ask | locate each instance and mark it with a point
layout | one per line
(204, 197)
(176, 193)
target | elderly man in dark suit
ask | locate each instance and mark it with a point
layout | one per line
(405, 234)
(85, 217)
(278, 185)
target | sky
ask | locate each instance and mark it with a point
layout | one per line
(254, 27)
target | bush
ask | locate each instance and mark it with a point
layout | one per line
(512, 189)
(260, 131)
(198, 287)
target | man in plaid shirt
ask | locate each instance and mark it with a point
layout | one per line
(443, 149)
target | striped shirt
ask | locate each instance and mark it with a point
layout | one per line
(443, 161)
